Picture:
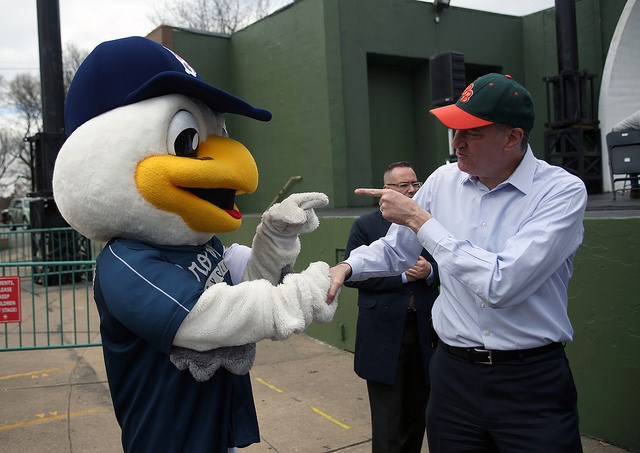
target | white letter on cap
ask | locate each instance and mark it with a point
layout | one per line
(188, 69)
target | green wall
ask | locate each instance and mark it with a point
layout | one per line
(604, 307)
(210, 60)
(318, 64)
(400, 32)
(287, 73)
(392, 89)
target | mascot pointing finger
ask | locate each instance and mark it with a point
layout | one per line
(149, 168)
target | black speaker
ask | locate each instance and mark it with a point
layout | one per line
(447, 78)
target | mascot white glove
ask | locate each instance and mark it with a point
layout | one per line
(276, 244)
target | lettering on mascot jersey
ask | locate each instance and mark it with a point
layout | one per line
(202, 267)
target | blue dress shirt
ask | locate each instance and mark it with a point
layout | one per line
(504, 255)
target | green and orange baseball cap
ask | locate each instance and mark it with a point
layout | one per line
(492, 98)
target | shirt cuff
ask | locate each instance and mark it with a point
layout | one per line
(431, 233)
(354, 269)
(429, 278)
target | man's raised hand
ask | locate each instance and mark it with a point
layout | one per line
(397, 208)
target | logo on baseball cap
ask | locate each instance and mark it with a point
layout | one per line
(492, 98)
(129, 70)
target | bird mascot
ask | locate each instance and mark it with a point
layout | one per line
(148, 168)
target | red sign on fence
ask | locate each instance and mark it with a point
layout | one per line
(10, 309)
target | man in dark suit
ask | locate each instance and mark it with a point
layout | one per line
(394, 338)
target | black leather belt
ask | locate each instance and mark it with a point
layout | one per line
(489, 357)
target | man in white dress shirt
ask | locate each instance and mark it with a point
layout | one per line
(503, 227)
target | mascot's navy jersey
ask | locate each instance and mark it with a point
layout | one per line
(143, 293)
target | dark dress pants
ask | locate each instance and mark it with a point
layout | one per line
(524, 405)
(398, 411)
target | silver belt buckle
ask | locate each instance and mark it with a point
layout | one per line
(488, 353)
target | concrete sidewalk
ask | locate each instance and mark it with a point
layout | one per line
(307, 396)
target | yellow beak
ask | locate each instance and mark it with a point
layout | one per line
(201, 189)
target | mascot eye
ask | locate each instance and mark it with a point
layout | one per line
(186, 143)
(182, 137)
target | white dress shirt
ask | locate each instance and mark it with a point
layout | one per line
(504, 255)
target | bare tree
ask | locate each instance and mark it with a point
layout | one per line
(6, 158)
(15, 174)
(25, 107)
(24, 97)
(21, 100)
(219, 16)
(24, 93)
(72, 58)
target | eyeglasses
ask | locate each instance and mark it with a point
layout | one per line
(405, 185)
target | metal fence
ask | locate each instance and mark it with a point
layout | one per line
(46, 296)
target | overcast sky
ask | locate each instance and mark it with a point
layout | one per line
(86, 23)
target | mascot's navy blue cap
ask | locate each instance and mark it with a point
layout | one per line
(129, 70)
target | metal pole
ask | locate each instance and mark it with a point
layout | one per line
(567, 36)
(44, 212)
(567, 39)
(51, 66)
(52, 91)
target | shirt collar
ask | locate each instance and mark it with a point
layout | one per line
(521, 178)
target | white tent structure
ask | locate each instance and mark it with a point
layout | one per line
(620, 88)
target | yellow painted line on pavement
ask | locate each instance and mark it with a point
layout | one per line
(266, 384)
(53, 416)
(330, 418)
(33, 373)
(313, 408)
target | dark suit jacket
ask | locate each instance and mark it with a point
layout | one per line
(382, 309)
